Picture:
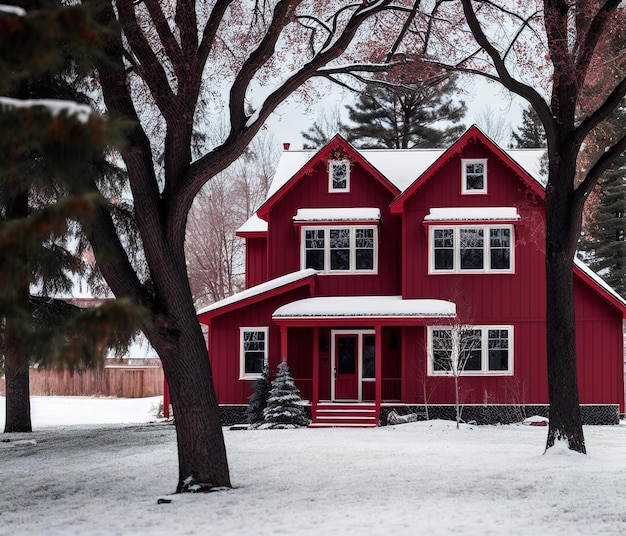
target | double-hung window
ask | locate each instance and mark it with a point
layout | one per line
(474, 176)
(341, 249)
(471, 248)
(253, 351)
(470, 350)
(338, 176)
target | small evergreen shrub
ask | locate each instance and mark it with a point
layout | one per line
(284, 405)
(258, 400)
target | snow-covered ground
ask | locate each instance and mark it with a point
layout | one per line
(80, 474)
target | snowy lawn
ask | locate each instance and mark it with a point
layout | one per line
(80, 474)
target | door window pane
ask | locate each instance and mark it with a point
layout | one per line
(346, 355)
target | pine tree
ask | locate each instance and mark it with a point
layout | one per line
(604, 236)
(531, 134)
(258, 400)
(405, 116)
(284, 408)
(608, 230)
(327, 124)
(48, 148)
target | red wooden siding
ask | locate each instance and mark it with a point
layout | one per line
(312, 192)
(256, 261)
(489, 299)
(224, 344)
(599, 348)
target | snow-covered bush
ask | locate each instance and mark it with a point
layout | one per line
(284, 406)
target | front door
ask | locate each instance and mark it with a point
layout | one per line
(346, 369)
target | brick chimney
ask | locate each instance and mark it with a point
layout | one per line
(286, 146)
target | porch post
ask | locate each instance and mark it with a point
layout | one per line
(378, 366)
(316, 371)
(283, 343)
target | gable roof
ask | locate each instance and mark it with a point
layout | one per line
(474, 134)
(588, 276)
(257, 293)
(295, 165)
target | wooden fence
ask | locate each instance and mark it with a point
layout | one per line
(118, 381)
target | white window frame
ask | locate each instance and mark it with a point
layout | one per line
(484, 352)
(327, 250)
(243, 375)
(331, 168)
(469, 161)
(456, 264)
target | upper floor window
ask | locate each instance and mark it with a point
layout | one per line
(483, 248)
(474, 176)
(253, 351)
(346, 249)
(471, 350)
(339, 176)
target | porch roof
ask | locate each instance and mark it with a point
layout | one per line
(371, 308)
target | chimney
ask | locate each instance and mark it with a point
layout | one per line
(286, 146)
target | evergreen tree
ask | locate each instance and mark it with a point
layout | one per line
(327, 124)
(258, 400)
(604, 231)
(48, 148)
(284, 408)
(531, 134)
(607, 229)
(405, 116)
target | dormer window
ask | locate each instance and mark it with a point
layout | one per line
(339, 176)
(474, 176)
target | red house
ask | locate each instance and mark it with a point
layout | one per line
(361, 266)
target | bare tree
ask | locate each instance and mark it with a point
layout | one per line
(454, 349)
(496, 126)
(566, 59)
(215, 255)
(168, 67)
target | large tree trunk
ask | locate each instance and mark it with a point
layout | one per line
(16, 362)
(202, 462)
(17, 388)
(178, 339)
(562, 230)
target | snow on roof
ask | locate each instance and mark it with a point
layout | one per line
(365, 306)
(289, 164)
(268, 286)
(337, 214)
(253, 225)
(473, 213)
(598, 280)
(400, 166)
(530, 161)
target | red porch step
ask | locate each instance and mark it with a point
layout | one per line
(347, 415)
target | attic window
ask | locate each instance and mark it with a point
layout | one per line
(338, 176)
(474, 176)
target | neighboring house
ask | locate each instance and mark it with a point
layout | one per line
(360, 263)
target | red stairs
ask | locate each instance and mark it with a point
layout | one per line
(344, 415)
